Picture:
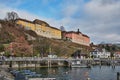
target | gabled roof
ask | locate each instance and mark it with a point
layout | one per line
(72, 32)
(76, 33)
(37, 21)
(117, 52)
(85, 35)
(24, 20)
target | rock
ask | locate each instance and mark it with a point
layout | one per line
(5, 75)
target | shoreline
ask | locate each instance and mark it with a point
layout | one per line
(5, 74)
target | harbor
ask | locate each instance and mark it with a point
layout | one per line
(65, 73)
(59, 40)
(61, 68)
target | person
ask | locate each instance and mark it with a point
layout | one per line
(3, 57)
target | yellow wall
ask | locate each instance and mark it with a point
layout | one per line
(26, 24)
(54, 33)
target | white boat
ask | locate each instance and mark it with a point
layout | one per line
(78, 64)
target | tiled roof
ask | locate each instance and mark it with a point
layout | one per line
(75, 33)
(118, 52)
(40, 22)
(24, 20)
(85, 35)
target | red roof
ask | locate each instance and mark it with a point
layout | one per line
(75, 33)
(117, 52)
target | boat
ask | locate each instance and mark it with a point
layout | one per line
(79, 64)
(14, 72)
(29, 73)
(24, 74)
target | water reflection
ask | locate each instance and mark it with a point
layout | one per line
(65, 73)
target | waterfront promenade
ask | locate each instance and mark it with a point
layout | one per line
(49, 62)
(56, 59)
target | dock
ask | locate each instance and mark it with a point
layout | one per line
(20, 62)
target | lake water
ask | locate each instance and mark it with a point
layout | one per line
(65, 73)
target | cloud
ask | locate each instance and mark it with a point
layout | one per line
(103, 9)
(70, 10)
(11, 3)
(104, 17)
(22, 13)
(99, 21)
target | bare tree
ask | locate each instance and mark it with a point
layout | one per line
(11, 16)
(62, 28)
(42, 46)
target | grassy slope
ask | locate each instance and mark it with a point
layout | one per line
(9, 33)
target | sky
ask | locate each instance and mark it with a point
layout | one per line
(99, 19)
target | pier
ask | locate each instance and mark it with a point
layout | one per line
(52, 62)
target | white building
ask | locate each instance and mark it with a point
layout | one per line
(52, 56)
(100, 54)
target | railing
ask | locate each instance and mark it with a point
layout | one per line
(53, 59)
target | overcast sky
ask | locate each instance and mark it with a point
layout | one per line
(99, 19)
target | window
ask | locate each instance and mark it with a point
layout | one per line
(27, 28)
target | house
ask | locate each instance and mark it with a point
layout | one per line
(76, 37)
(100, 53)
(41, 28)
(117, 54)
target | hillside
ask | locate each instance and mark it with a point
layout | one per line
(11, 33)
(59, 47)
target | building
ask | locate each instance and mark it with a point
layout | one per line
(41, 28)
(100, 53)
(44, 29)
(117, 54)
(76, 37)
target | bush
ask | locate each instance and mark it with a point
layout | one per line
(1, 47)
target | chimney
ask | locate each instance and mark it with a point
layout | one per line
(78, 31)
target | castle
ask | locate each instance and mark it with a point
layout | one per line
(41, 28)
(76, 37)
(44, 29)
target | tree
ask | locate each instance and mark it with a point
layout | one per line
(42, 46)
(20, 47)
(11, 16)
(62, 28)
(1, 48)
